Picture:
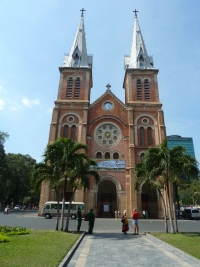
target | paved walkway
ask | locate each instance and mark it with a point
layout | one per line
(117, 249)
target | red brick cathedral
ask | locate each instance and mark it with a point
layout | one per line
(117, 133)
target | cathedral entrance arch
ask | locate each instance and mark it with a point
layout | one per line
(106, 199)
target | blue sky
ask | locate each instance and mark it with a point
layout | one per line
(35, 35)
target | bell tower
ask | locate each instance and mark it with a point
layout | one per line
(70, 113)
(145, 114)
(69, 117)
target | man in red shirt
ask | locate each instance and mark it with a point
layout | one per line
(135, 216)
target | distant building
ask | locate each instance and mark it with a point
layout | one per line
(177, 140)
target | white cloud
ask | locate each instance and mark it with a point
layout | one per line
(36, 102)
(29, 103)
(14, 108)
(26, 102)
(1, 104)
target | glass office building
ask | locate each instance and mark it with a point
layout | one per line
(177, 140)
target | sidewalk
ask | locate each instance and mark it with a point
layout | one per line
(117, 249)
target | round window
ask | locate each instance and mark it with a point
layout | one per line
(70, 119)
(107, 134)
(145, 121)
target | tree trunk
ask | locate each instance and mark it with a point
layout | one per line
(68, 213)
(58, 209)
(169, 207)
(164, 210)
(63, 206)
(174, 211)
(177, 197)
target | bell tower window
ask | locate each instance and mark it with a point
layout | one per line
(146, 90)
(149, 135)
(77, 88)
(73, 132)
(141, 62)
(139, 90)
(76, 59)
(66, 131)
(69, 88)
(142, 139)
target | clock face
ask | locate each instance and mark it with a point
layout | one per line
(108, 106)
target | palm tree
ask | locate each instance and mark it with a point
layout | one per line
(41, 172)
(63, 154)
(80, 177)
(169, 165)
(184, 168)
(150, 178)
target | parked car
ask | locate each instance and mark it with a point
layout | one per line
(193, 213)
(17, 208)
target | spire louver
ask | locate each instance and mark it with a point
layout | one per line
(78, 56)
(138, 58)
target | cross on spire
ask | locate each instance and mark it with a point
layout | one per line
(108, 87)
(82, 10)
(135, 11)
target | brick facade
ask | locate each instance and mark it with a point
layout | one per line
(138, 123)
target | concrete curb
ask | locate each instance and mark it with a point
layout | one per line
(181, 252)
(69, 255)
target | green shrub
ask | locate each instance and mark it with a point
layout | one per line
(9, 230)
(4, 238)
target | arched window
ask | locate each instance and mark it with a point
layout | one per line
(149, 135)
(76, 60)
(69, 88)
(99, 155)
(77, 88)
(139, 90)
(146, 90)
(73, 132)
(142, 139)
(141, 62)
(66, 131)
(141, 156)
(115, 155)
(107, 155)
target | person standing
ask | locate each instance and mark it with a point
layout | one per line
(79, 215)
(91, 218)
(124, 221)
(135, 217)
(144, 214)
(147, 214)
(116, 214)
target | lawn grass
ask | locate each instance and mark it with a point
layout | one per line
(188, 242)
(39, 248)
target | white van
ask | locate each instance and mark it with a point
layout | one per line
(49, 209)
(191, 213)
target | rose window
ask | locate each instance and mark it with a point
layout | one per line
(107, 134)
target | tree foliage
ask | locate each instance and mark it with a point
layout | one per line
(162, 165)
(17, 184)
(65, 158)
(189, 193)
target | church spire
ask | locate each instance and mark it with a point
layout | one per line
(78, 56)
(138, 58)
